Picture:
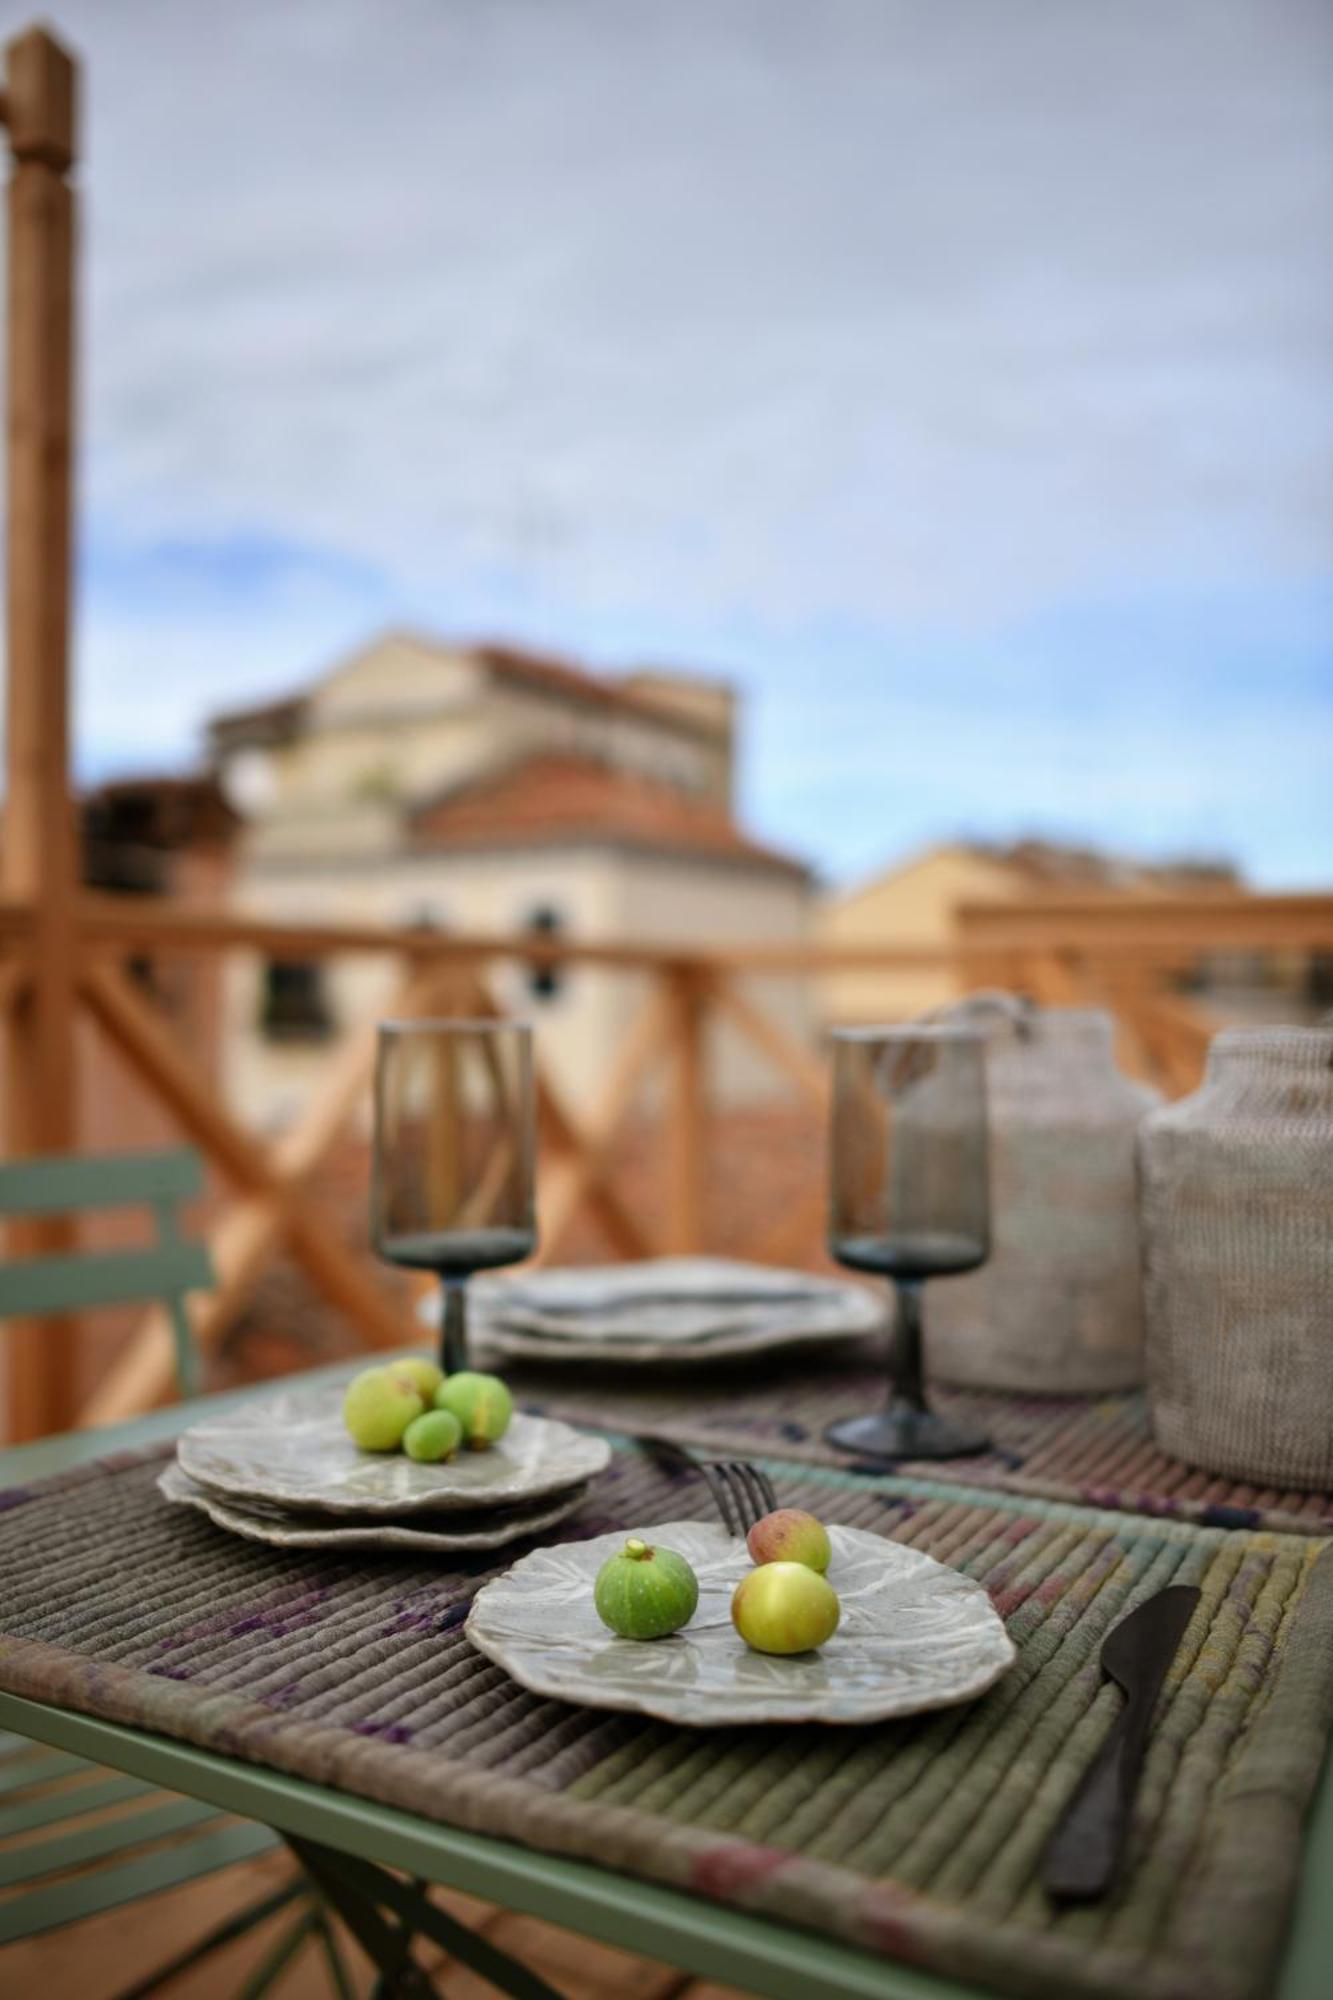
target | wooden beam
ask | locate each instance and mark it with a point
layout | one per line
(276, 1209)
(143, 1037)
(40, 859)
(789, 1057)
(1147, 925)
(787, 1240)
(687, 1113)
(585, 1168)
(561, 1130)
(1055, 979)
(15, 980)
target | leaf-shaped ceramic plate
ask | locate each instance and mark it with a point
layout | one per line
(914, 1635)
(307, 1531)
(291, 1449)
(688, 1311)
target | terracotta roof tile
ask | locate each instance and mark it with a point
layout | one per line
(550, 797)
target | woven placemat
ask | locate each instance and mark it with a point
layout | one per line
(1096, 1451)
(919, 1838)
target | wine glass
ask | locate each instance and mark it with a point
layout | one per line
(909, 1199)
(455, 1144)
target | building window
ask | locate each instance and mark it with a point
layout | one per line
(545, 981)
(295, 1005)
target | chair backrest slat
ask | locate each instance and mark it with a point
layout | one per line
(77, 1283)
(104, 1180)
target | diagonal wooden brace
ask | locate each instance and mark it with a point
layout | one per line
(275, 1208)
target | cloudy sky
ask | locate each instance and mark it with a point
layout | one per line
(955, 375)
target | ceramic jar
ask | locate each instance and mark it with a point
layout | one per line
(1058, 1308)
(1237, 1194)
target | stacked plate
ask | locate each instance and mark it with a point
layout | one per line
(284, 1471)
(676, 1309)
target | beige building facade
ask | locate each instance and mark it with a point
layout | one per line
(481, 790)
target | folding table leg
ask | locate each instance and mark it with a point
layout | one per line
(351, 1893)
(356, 1889)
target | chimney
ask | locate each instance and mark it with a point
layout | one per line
(709, 705)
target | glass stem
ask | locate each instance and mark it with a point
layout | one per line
(453, 1325)
(907, 1386)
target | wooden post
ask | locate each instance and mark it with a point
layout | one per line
(687, 1110)
(40, 860)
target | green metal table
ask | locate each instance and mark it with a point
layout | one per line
(655, 1922)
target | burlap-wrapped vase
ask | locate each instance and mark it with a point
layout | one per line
(1237, 1192)
(1058, 1308)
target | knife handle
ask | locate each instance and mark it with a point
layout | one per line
(1080, 1860)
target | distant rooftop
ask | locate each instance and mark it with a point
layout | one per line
(561, 797)
(1055, 864)
(545, 674)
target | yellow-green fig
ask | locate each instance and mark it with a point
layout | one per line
(481, 1403)
(421, 1372)
(790, 1535)
(783, 1607)
(434, 1435)
(645, 1592)
(378, 1408)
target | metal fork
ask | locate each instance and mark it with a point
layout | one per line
(742, 1492)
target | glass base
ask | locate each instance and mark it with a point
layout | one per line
(902, 1432)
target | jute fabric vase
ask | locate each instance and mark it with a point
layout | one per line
(1058, 1309)
(1237, 1194)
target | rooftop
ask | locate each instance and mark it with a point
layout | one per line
(560, 797)
(546, 674)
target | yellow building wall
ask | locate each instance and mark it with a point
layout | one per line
(911, 905)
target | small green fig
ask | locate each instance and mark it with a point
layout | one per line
(783, 1607)
(481, 1403)
(434, 1435)
(790, 1535)
(378, 1408)
(645, 1592)
(423, 1374)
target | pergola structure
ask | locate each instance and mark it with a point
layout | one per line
(62, 951)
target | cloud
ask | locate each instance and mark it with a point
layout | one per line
(718, 328)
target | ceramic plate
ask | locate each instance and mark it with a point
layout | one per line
(677, 1309)
(914, 1635)
(296, 1531)
(291, 1450)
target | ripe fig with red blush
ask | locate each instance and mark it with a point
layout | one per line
(790, 1535)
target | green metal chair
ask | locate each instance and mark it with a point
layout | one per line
(76, 1840)
(83, 1280)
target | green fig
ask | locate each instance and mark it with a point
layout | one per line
(434, 1435)
(422, 1373)
(378, 1408)
(783, 1607)
(645, 1592)
(481, 1403)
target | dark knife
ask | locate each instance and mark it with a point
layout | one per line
(1081, 1858)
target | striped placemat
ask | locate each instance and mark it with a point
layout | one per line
(918, 1839)
(1095, 1451)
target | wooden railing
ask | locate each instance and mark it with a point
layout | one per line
(65, 957)
(1122, 954)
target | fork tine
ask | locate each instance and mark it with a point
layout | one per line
(765, 1485)
(747, 1480)
(720, 1488)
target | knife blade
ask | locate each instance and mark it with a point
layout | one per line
(1082, 1855)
